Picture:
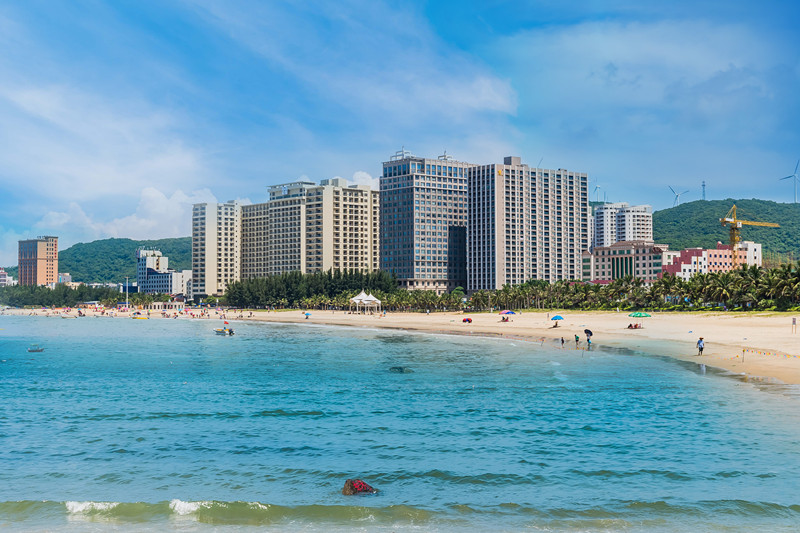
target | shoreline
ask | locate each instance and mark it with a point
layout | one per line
(754, 345)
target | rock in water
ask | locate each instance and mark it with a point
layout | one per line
(356, 486)
(400, 370)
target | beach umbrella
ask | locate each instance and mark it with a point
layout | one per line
(639, 314)
(557, 317)
(507, 312)
(588, 332)
(308, 314)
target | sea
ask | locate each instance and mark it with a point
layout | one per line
(161, 425)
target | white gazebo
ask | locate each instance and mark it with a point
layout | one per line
(365, 301)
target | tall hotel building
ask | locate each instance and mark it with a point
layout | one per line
(38, 261)
(525, 223)
(216, 247)
(309, 228)
(423, 221)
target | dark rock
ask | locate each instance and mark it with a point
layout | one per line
(356, 486)
(400, 370)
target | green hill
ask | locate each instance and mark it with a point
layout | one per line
(696, 224)
(110, 260)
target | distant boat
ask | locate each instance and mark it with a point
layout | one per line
(140, 317)
(68, 316)
(223, 331)
(35, 348)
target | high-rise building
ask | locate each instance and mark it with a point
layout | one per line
(255, 240)
(423, 218)
(216, 247)
(153, 275)
(38, 261)
(525, 223)
(309, 228)
(286, 236)
(622, 222)
(342, 227)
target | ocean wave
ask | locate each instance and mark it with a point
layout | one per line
(615, 514)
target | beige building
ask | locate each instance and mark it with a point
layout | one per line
(342, 226)
(255, 240)
(524, 223)
(308, 228)
(216, 247)
(38, 261)
(640, 259)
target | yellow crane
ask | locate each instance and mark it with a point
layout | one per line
(735, 230)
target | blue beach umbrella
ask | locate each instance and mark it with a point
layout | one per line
(557, 317)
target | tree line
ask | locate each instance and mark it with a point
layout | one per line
(749, 288)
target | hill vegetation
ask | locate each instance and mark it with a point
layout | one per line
(110, 260)
(696, 224)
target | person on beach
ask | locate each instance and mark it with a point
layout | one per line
(577, 340)
(562, 343)
(700, 346)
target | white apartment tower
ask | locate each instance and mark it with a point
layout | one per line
(423, 221)
(619, 222)
(216, 247)
(524, 223)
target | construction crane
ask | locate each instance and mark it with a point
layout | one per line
(736, 228)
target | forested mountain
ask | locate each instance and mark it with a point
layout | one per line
(696, 224)
(110, 260)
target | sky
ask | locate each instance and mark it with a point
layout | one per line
(117, 116)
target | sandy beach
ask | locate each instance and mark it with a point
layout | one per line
(758, 345)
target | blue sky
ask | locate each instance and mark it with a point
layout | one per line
(117, 116)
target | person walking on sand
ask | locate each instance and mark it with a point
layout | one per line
(700, 346)
(577, 341)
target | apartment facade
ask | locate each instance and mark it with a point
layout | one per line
(525, 223)
(640, 259)
(310, 228)
(423, 221)
(342, 227)
(38, 261)
(616, 222)
(216, 247)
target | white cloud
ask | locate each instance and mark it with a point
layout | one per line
(157, 216)
(363, 178)
(65, 143)
(368, 57)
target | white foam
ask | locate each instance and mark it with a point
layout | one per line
(182, 508)
(86, 507)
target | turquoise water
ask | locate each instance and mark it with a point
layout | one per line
(137, 425)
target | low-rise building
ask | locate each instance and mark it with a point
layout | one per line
(691, 261)
(153, 275)
(640, 259)
(5, 279)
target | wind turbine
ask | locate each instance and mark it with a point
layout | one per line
(677, 196)
(597, 193)
(793, 177)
